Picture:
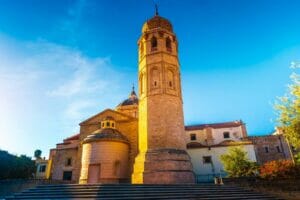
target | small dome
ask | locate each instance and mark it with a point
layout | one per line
(132, 100)
(157, 22)
(106, 134)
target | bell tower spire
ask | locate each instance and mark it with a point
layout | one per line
(156, 9)
(162, 155)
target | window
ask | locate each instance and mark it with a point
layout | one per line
(207, 159)
(155, 83)
(102, 124)
(168, 44)
(67, 175)
(108, 124)
(278, 149)
(170, 84)
(153, 43)
(113, 125)
(68, 162)
(193, 136)
(226, 135)
(42, 168)
(267, 149)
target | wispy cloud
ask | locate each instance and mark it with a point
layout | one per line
(46, 86)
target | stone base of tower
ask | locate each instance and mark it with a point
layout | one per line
(163, 166)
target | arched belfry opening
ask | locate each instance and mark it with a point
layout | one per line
(153, 43)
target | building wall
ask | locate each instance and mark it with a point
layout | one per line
(105, 154)
(59, 163)
(203, 135)
(270, 147)
(197, 155)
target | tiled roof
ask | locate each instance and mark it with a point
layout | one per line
(73, 137)
(214, 125)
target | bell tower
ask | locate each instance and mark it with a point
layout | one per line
(162, 157)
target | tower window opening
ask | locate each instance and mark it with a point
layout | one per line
(107, 124)
(102, 124)
(168, 44)
(113, 125)
(142, 48)
(153, 44)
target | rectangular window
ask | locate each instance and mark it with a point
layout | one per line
(207, 159)
(67, 175)
(42, 168)
(193, 136)
(267, 149)
(278, 149)
(68, 162)
(226, 135)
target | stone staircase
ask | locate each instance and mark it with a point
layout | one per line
(145, 192)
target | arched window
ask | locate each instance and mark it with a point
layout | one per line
(168, 44)
(142, 48)
(170, 79)
(153, 43)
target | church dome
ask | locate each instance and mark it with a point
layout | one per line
(132, 99)
(106, 134)
(157, 22)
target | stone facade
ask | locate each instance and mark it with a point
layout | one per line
(162, 147)
(271, 147)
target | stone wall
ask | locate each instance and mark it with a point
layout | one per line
(270, 147)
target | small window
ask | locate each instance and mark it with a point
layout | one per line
(170, 84)
(42, 168)
(153, 43)
(155, 83)
(67, 175)
(267, 149)
(113, 125)
(168, 44)
(102, 124)
(207, 159)
(278, 149)
(193, 136)
(226, 135)
(69, 162)
(108, 124)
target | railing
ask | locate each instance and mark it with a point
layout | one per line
(208, 178)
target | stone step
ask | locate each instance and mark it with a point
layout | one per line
(134, 189)
(168, 196)
(139, 192)
(135, 193)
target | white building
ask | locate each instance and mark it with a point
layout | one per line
(207, 142)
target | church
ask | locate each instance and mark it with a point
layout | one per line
(144, 140)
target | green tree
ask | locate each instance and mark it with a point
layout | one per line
(288, 108)
(15, 167)
(37, 154)
(236, 163)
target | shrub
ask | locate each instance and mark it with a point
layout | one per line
(236, 163)
(279, 169)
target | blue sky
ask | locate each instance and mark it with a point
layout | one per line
(63, 61)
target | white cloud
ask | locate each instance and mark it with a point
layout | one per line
(49, 88)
